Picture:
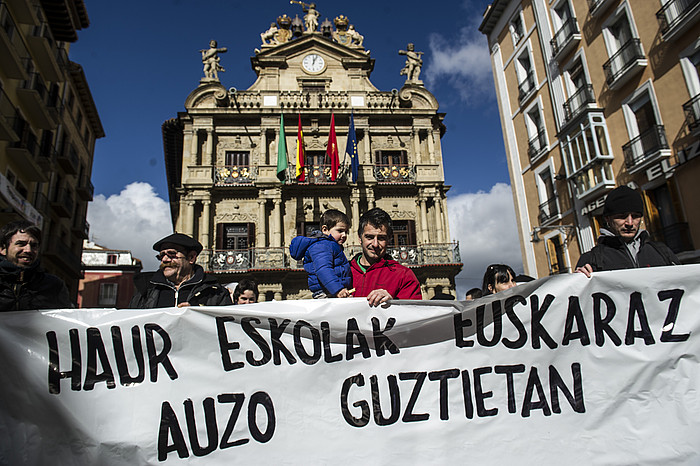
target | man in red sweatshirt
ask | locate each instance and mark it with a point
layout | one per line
(374, 276)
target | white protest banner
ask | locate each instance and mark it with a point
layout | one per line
(562, 370)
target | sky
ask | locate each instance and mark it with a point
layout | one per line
(142, 59)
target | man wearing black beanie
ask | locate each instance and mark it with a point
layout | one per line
(623, 245)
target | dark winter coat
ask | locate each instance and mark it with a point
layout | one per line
(324, 261)
(200, 290)
(611, 253)
(387, 274)
(23, 289)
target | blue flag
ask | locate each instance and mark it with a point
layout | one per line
(351, 149)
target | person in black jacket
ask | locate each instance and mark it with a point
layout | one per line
(623, 245)
(179, 281)
(24, 285)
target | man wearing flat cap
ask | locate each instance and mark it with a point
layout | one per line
(179, 281)
(623, 245)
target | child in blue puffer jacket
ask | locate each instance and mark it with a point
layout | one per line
(324, 259)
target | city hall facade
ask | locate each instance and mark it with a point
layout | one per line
(222, 157)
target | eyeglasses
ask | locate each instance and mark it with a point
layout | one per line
(170, 254)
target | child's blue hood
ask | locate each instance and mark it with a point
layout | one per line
(299, 245)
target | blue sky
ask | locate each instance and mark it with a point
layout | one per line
(142, 59)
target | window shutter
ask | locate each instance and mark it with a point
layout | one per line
(220, 236)
(251, 235)
(412, 232)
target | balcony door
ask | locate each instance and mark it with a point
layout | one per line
(643, 125)
(237, 236)
(404, 233)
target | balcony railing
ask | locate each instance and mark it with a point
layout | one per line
(578, 102)
(623, 60)
(526, 87)
(645, 146)
(60, 251)
(536, 145)
(233, 260)
(565, 36)
(395, 173)
(63, 204)
(692, 113)
(320, 174)
(234, 175)
(222, 260)
(81, 228)
(674, 12)
(548, 210)
(417, 255)
(675, 236)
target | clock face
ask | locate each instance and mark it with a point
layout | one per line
(313, 63)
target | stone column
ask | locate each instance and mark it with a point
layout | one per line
(355, 203)
(189, 218)
(370, 198)
(260, 240)
(205, 229)
(423, 219)
(416, 146)
(207, 156)
(277, 222)
(368, 150)
(263, 146)
(437, 205)
(187, 148)
(194, 148)
(278, 296)
(431, 145)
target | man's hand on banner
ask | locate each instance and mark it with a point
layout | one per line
(377, 297)
(586, 269)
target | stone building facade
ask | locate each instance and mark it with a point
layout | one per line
(222, 155)
(48, 127)
(594, 94)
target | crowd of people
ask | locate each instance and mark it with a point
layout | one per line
(181, 282)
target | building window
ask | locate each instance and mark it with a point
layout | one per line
(517, 27)
(107, 295)
(645, 129)
(690, 64)
(111, 259)
(306, 228)
(623, 46)
(404, 233)
(236, 236)
(587, 156)
(526, 75)
(536, 135)
(388, 158)
(578, 88)
(237, 158)
(548, 208)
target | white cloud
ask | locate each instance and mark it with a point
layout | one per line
(463, 61)
(134, 219)
(484, 224)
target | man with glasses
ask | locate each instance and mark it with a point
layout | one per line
(623, 244)
(179, 281)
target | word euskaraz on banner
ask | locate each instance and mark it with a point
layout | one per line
(263, 344)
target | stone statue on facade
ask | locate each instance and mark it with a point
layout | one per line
(269, 35)
(413, 64)
(355, 37)
(311, 16)
(211, 59)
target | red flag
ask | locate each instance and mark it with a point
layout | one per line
(332, 150)
(300, 153)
